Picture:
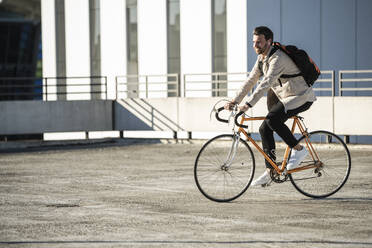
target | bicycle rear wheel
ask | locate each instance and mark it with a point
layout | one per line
(224, 168)
(334, 167)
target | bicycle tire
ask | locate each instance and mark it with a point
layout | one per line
(216, 182)
(334, 155)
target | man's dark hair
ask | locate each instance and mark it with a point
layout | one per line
(265, 31)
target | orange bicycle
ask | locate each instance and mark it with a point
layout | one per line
(225, 165)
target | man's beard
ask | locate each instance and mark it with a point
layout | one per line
(261, 50)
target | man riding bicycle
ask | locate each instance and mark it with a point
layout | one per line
(286, 97)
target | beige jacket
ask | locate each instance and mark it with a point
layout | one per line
(293, 93)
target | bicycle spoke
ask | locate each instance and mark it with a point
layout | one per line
(208, 175)
(333, 173)
(223, 171)
(241, 182)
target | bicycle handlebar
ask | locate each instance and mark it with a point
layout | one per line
(236, 120)
(227, 121)
(218, 117)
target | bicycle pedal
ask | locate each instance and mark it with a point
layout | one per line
(266, 184)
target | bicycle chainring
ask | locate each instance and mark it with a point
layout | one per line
(277, 177)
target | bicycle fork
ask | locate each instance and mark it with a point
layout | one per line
(232, 153)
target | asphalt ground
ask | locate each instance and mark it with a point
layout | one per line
(144, 195)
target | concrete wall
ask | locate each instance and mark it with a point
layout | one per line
(352, 115)
(30, 117)
(342, 115)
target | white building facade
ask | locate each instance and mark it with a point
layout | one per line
(189, 48)
(143, 37)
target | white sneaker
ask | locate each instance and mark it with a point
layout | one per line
(296, 158)
(263, 179)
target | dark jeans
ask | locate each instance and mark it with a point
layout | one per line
(275, 120)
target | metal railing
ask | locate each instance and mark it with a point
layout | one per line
(223, 84)
(353, 78)
(21, 88)
(145, 86)
(325, 83)
(53, 88)
(75, 88)
(350, 82)
(212, 84)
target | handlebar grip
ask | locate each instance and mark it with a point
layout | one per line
(227, 121)
(236, 120)
(218, 117)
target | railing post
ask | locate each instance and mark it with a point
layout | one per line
(213, 79)
(339, 83)
(147, 86)
(106, 86)
(178, 76)
(218, 84)
(333, 83)
(184, 85)
(46, 89)
(116, 87)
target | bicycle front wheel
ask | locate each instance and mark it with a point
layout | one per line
(332, 158)
(224, 168)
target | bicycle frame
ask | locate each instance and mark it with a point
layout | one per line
(228, 160)
(282, 168)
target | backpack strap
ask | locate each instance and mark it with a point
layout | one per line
(278, 46)
(291, 76)
(260, 63)
(273, 50)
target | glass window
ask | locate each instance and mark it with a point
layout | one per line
(173, 29)
(219, 47)
(95, 47)
(132, 47)
(95, 41)
(60, 49)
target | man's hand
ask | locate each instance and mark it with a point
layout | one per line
(244, 108)
(230, 105)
